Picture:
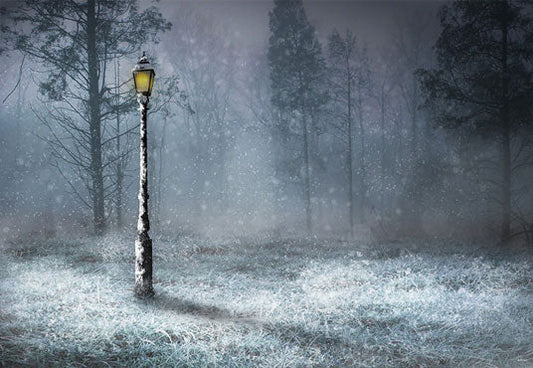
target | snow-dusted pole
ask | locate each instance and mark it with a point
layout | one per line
(143, 243)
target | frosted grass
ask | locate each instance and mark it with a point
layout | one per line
(265, 303)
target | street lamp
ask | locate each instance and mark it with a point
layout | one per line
(143, 77)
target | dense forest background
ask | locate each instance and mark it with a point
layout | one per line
(370, 120)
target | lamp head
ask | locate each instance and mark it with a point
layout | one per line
(143, 76)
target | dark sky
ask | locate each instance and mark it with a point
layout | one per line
(245, 22)
(375, 22)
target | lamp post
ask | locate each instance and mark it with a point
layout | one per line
(143, 77)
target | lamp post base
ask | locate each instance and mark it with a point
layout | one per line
(143, 266)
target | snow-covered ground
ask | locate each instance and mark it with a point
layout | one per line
(265, 303)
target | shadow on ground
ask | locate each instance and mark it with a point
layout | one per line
(183, 306)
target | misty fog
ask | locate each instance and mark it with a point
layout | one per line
(213, 171)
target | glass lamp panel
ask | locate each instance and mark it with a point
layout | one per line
(152, 75)
(143, 81)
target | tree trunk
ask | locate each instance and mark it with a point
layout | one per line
(120, 181)
(383, 146)
(506, 141)
(120, 174)
(362, 188)
(307, 185)
(95, 124)
(414, 123)
(160, 176)
(143, 243)
(152, 174)
(506, 188)
(349, 163)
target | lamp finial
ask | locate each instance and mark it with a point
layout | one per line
(144, 59)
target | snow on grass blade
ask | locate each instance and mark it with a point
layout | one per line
(239, 303)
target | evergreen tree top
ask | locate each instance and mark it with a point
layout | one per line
(484, 53)
(294, 56)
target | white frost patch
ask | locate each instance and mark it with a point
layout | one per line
(240, 304)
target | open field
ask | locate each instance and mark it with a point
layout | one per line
(265, 303)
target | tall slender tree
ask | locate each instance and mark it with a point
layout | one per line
(297, 76)
(412, 49)
(76, 42)
(483, 82)
(342, 74)
(363, 90)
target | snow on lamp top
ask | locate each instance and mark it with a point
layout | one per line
(143, 76)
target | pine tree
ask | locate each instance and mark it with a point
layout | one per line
(297, 76)
(483, 82)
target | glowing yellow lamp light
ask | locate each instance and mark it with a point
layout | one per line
(143, 76)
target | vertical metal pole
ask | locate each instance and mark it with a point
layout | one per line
(143, 243)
